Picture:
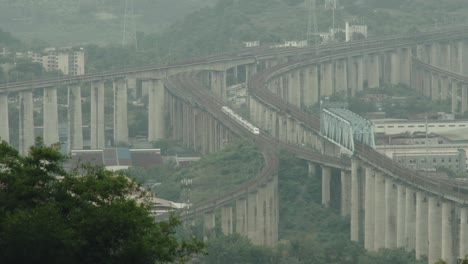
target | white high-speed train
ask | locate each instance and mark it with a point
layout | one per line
(253, 129)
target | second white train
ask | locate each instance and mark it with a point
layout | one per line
(253, 129)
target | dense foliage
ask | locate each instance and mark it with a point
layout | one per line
(51, 215)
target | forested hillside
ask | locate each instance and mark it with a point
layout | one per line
(63, 22)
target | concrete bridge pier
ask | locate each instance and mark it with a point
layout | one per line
(369, 209)
(226, 220)
(464, 98)
(341, 76)
(379, 211)
(120, 112)
(4, 128)
(421, 225)
(373, 69)
(241, 217)
(218, 84)
(250, 70)
(311, 87)
(444, 83)
(454, 96)
(209, 224)
(401, 216)
(410, 219)
(326, 79)
(447, 228)
(294, 95)
(156, 109)
(405, 66)
(26, 121)
(97, 125)
(463, 238)
(326, 177)
(395, 69)
(355, 205)
(252, 212)
(435, 54)
(434, 230)
(390, 213)
(50, 113)
(345, 193)
(75, 119)
(435, 87)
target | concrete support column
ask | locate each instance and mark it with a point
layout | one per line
(50, 118)
(208, 224)
(345, 193)
(454, 96)
(241, 217)
(405, 66)
(464, 98)
(218, 84)
(435, 54)
(369, 216)
(410, 220)
(97, 125)
(75, 120)
(132, 87)
(447, 245)
(4, 121)
(444, 88)
(360, 73)
(226, 220)
(26, 121)
(261, 216)
(421, 225)
(250, 70)
(401, 217)
(395, 68)
(434, 230)
(294, 96)
(120, 112)
(341, 77)
(252, 212)
(155, 109)
(352, 76)
(326, 177)
(313, 88)
(354, 200)
(373, 70)
(390, 213)
(435, 94)
(326, 76)
(379, 211)
(463, 251)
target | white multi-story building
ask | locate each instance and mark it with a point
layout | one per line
(70, 61)
(251, 44)
(351, 29)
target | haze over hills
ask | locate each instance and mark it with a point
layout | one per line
(63, 22)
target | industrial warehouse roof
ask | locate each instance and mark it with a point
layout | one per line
(116, 158)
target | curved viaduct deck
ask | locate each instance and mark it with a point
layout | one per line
(393, 193)
(387, 219)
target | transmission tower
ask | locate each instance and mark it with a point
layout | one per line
(129, 36)
(312, 23)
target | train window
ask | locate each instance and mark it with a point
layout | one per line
(421, 126)
(380, 126)
(410, 126)
(401, 126)
(390, 126)
(431, 126)
(441, 125)
(452, 126)
(462, 125)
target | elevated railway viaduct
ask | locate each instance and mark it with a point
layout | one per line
(390, 206)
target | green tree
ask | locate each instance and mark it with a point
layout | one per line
(87, 217)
